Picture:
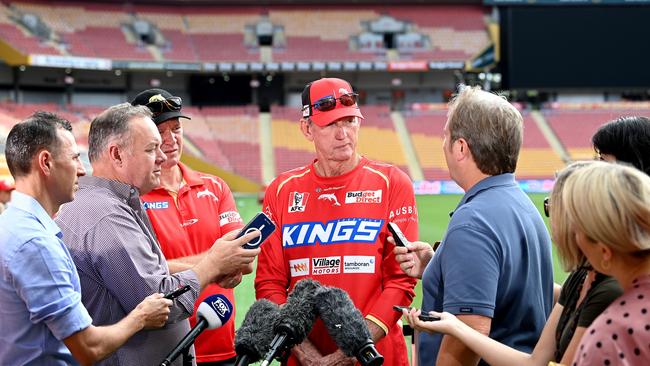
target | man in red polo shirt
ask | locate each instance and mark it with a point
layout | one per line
(189, 212)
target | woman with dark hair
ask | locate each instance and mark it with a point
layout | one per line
(625, 139)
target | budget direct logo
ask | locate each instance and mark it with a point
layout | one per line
(229, 217)
(299, 267)
(326, 265)
(363, 196)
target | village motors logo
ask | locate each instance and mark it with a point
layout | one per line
(363, 196)
(326, 265)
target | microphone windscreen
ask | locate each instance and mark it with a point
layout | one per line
(255, 334)
(216, 310)
(299, 312)
(343, 320)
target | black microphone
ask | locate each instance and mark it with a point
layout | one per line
(296, 319)
(345, 324)
(213, 312)
(254, 336)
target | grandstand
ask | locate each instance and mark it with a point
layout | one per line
(240, 69)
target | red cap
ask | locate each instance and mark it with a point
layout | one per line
(4, 186)
(323, 88)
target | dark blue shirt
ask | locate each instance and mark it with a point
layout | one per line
(495, 260)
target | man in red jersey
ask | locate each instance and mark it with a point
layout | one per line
(331, 217)
(189, 212)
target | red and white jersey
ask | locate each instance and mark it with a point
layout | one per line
(205, 210)
(334, 230)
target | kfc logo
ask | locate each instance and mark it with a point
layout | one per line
(298, 201)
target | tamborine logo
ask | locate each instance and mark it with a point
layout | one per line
(326, 265)
(358, 264)
(229, 217)
(297, 201)
(299, 267)
(363, 196)
(352, 230)
(156, 205)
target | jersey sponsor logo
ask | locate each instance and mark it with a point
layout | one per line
(350, 230)
(189, 222)
(358, 264)
(298, 201)
(299, 267)
(161, 205)
(318, 190)
(404, 210)
(229, 217)
(325, 265)
(363, 196)
(329, 197)
(207, 193)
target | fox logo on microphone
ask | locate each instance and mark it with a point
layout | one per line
(216, 309)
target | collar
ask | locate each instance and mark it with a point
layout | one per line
(27, 203)
(121, 190)
(506, 179)
(191, 177)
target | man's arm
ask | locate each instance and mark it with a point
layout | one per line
(453, 352)
(95, 343)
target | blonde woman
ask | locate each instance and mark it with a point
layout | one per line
(609, 207)
(584, 296)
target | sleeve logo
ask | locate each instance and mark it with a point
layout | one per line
(229, 217)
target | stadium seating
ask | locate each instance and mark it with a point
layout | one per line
(212, 34)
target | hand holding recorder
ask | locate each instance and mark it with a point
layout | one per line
(412, 257)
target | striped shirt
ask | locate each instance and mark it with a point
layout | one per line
(120, 263)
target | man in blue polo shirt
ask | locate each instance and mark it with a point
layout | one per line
(493, 269)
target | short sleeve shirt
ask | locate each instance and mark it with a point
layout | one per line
(494, 261)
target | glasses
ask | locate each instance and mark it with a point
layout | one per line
(161, 105)
(547, 206)
(328, 103)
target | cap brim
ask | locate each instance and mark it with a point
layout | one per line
(168, 115)
(323, 119)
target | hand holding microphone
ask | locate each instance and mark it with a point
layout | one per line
(212, 313)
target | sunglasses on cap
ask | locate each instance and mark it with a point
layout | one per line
(328, 103)
(160, 104)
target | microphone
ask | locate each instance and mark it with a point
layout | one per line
(346, 326)
(255, 334)
(213, 312)
(295, 319)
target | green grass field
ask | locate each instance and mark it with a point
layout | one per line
(434, 217)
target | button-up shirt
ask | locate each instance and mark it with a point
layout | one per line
(40, 295)
(120, 263)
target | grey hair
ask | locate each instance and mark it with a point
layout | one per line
(113, 124)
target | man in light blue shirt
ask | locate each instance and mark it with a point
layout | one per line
(41, 316)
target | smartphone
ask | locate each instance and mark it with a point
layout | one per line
(263, 224)
(176, 293)
(424, 317)
(398, 235)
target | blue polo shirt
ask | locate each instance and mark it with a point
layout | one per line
(40, 295)
(495, 261)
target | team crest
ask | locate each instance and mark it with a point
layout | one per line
(298, 201)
